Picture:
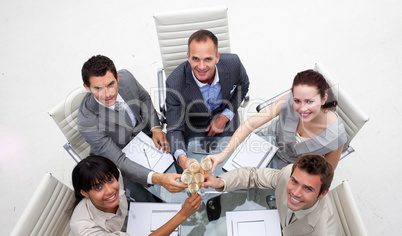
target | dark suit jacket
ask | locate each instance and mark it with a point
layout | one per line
(186, 113)
(107, 132)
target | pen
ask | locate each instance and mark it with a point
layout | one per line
(204, 153)
(147, 158)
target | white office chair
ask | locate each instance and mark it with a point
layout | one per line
(353, 117)
(175, 27)
(65, 116)
(349, 216)
(47, 211)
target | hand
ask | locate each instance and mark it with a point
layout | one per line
(191, 205)
(212, 181)
(159, 138)
(216, 159)
(217, 126)
(183, 161)
(168, 181)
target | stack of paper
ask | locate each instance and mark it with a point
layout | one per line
(254, 151)
(256, 223)
(142, 150)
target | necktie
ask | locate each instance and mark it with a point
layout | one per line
(291, 218)
(119, 107)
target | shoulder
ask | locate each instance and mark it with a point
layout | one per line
(125, 76)
(178, 76)
(229, 59)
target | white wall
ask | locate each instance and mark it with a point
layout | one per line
(43, 45)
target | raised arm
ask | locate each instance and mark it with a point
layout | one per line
(246, 128)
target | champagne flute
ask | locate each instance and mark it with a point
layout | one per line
(193, 187)
(193, 165)
(206, 164)
(187, 176)
(199, 178)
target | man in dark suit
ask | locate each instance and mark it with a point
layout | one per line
(108, 129)
(203, 94)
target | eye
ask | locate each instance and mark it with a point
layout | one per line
(296, 101)
(310, 102)
(310, 189)
(97, 187)
(111, 179)
(208, 59)
(195, 59)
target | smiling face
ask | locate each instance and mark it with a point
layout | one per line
(104, 88)
(307, 102)
(303, 190)
(105, 197)
(203, 56)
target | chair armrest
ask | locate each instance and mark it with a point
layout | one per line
(72, 153)
(161, 91)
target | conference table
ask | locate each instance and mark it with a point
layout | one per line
(240, 200)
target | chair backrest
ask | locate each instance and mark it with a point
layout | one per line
(65, 116)
(175, 27)
(47, 211)
(353, 117)
(349, 216)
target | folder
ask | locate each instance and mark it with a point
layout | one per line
(142, 150)
(256, 223)
(254, 151)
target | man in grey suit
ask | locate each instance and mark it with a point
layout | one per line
(203, 94)
(300, 191)
(108, 129)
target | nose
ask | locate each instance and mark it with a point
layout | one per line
(297, 191)
(202, 64)
(108, 188)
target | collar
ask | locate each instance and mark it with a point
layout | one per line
(200, 84)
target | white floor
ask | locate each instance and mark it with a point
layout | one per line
(43, 45)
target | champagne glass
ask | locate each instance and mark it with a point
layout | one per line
(199, 179)
(187, 176)
(193, 187)
(206, 164)
(193, 165)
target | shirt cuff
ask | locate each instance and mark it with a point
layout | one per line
(228, 113)
(155, 127)
(178, 152)
(149, 178)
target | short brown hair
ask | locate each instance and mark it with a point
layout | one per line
(202, 36)
(315, 164)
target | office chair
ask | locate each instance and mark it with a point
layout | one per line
(349, 216)
(173, 30)
(65, 116)
(353, 117)
(47, 211)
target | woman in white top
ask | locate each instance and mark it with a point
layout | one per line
(306, 123)
(100, 207)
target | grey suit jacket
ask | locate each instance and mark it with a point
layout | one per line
(322, 221)
(187, 114)
(107, 131)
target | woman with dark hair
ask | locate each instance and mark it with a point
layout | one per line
(305, 122)
(100, 205)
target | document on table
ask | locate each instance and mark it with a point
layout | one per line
(141, 149)
(256, 223)
(254, 151)
(146, 217)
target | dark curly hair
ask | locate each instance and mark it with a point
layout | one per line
(97, 66)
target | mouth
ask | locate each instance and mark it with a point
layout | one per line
(293, 200)
(304, 114)
(112, 198)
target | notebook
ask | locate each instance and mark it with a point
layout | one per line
(254, 151)
(142, 150)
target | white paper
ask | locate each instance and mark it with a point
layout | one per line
(146, 217)
(254, 151)
(142, 150)
(259, 222)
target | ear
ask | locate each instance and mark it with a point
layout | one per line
(323, 194)
(87, 88)
(188, 56)
(324, 99)
(117, 78)
(218, 55)
(83, 193)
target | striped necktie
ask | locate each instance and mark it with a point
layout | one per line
(119, 107)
